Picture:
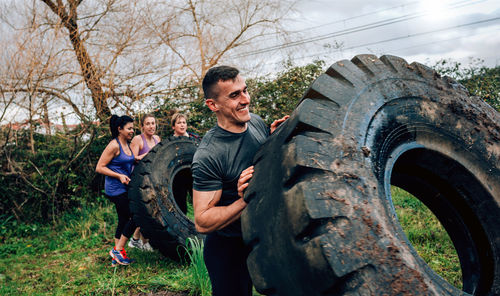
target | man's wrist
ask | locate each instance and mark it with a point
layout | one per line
(242, 202)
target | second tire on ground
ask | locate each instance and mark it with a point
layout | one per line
(159, 190)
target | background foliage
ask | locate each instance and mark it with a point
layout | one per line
(57, 175)
(480, 80)
(275, 97)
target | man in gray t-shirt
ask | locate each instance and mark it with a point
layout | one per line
(220, 159)
(221, 169)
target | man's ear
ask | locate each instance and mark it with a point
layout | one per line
(212, 104)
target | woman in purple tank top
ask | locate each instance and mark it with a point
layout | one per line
(116, 164)
(141, 144)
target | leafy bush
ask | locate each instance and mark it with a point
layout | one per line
(273, 98)
(44, 175)
(478, 79)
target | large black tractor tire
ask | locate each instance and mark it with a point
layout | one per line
(320, 219)
(158, 190)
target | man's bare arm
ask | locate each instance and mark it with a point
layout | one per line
(208, 217)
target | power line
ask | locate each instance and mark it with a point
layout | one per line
(356, 29)
(343, 20)
(355, 17)
(405, 37)
(349, 30)
(429, 32)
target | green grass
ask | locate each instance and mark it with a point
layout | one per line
(72, 258)
(197, 267)
(427, 236)
(190, 209)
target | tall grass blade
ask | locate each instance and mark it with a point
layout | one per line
(197, 267)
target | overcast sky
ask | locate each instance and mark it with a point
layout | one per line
(417, 30)
(424, 30)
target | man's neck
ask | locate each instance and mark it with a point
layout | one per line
(231, 127)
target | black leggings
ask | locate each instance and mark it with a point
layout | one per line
(126, 225)
(225, 258)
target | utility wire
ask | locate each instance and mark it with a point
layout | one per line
(376, 12)
(402, 37)
(446, 40)
(358, 29)
(355, 17)
(350, 30)
(408, 4)
(342, 20)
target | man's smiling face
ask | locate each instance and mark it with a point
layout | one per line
(233, 102)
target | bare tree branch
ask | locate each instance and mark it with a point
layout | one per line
(90, 74)
(51, 92)
(105, 55)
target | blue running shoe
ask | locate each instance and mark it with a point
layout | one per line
(120, 256)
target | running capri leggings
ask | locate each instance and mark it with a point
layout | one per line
(126, 225)
(225, 258)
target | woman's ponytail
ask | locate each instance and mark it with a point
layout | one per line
(113, 125)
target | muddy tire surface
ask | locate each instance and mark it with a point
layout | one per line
(158, 192)
(320, 219)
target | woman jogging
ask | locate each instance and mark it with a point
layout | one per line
(116, 164)
(141, 144)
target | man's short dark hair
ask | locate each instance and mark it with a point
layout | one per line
(214, 75)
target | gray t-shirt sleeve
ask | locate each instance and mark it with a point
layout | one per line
(206, 175)
(261, 125)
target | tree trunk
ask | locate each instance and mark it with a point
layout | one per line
(31, 127)
(89, 72)
(46, 119)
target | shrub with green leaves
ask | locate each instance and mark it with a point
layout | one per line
(479, 80)
(42, 176)
(275, 97)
